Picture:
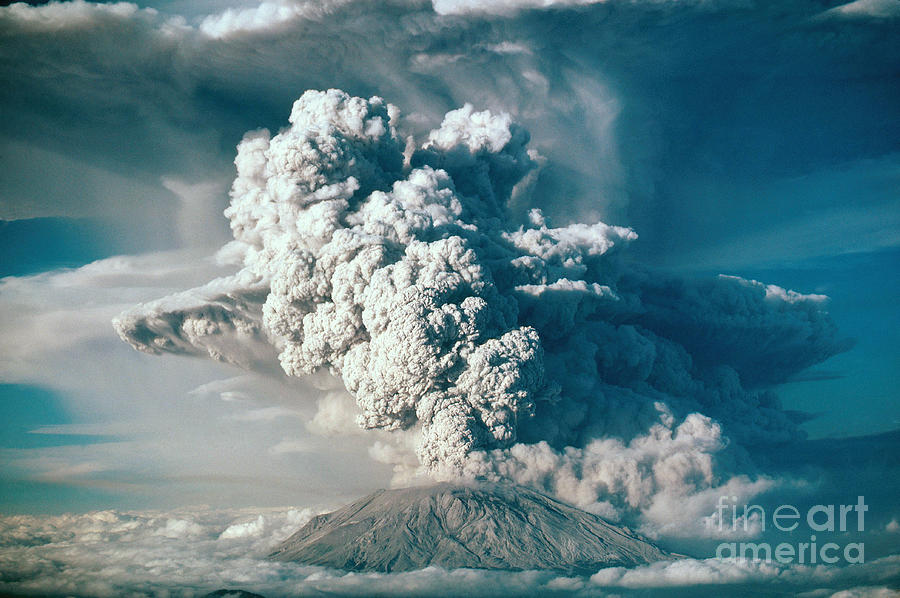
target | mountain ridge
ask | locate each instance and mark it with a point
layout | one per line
(480, 525)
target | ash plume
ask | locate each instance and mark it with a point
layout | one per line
(531, 352)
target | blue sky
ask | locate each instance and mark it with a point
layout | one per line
(758, 139)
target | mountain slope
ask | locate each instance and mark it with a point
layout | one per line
(483, 526)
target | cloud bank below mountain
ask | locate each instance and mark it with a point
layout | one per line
(187, 553)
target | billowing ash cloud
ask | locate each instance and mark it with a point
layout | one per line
(218, 320)
(534, 352)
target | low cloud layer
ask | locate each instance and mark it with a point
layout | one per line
(188, 553)
(530, 352)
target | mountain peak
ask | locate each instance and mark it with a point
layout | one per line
(479, 525)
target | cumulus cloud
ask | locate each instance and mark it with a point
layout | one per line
(242, 530)
(179, 528)
(693, 572)
(866, 592)
(66, 14)
(263, 17)
(863, 9)
(511, 7)
(531, 352)
(445, 7)
(114, 553)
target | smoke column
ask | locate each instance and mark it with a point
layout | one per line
(530, 352)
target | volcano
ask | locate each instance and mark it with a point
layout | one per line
(479, 525)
